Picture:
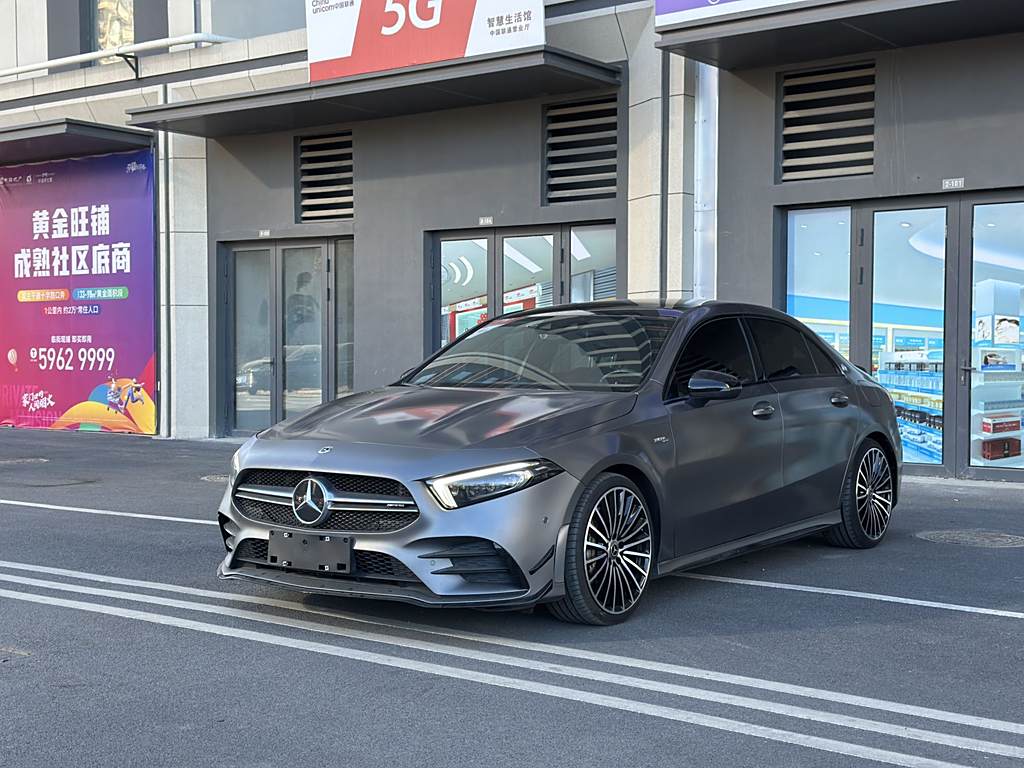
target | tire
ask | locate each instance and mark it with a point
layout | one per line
(608, 590)
(867, 499)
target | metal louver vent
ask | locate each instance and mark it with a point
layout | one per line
(325, 177)
(828, 123)
(581, 150)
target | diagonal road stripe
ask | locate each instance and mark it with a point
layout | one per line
(851, 593)
(555, 650)
(106, 512)
(873, 726)
(546, 689)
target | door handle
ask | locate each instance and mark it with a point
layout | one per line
(763, 410)
(839, 400)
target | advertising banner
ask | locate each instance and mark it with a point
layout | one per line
(353, 37)
(675, 12)
(77, 330)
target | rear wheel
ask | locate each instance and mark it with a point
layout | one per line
(867, 500)
(609, 553)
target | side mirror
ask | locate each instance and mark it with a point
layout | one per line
(712, 385)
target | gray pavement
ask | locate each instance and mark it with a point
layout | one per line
(803, 655)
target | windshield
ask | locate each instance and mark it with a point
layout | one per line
(606, 351)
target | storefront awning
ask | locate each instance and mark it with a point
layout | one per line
(57, 139)
(773, 33)
(445, 85)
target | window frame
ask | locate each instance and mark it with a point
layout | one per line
(668, 398)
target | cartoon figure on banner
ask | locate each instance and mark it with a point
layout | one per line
(114, 397)
(12, 358)
(133, 393)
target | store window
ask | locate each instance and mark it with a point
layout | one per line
(593, 262)
(908, 319)
(997, 348)
(344, 316)
(818, 272)
(521, 269)
(464, 285)
(251, 18)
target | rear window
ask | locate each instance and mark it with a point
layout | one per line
(784, 353)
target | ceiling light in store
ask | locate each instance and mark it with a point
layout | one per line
(514, 254)
(578, 249)
(456, 273)
(842, 223)
(803, 226)
(905, 224)
(991, 225)
(817, 253)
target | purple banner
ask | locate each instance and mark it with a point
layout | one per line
(681, 11)
(77, 339)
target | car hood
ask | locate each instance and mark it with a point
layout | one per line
(440, 418)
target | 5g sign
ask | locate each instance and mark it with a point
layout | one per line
(409, 10)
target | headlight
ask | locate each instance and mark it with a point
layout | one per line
(465, 488)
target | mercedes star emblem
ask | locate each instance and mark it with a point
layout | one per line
(325, 449)
(309, 502)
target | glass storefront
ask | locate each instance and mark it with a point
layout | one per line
(522, 270)
(997, 374)
(882, 284)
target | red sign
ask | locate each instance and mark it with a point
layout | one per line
(353, 37)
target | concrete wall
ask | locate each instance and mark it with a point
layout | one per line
(943, 111)
(414, 175)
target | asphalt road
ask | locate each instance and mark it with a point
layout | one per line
(119, 647)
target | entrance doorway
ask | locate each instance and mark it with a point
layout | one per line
(291, 313)
(927, 295)
(480, 273)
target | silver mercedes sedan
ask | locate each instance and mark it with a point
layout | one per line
(567, 456)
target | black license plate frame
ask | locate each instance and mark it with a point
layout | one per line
(316, 552)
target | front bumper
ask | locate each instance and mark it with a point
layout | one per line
(528, 528)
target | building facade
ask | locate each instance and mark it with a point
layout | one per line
(871, 183)
(312, 239)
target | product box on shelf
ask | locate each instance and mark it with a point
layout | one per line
(1002, 448)
(1000, 422)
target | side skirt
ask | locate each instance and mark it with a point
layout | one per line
(751, 543)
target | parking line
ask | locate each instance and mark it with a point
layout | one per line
(487, 678)
(550, 649)
(108, 512)
(851, 593)
(593, 675)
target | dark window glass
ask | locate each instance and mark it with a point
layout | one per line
(718, 346)
(599, 351)
(784, 353)
(826, 365)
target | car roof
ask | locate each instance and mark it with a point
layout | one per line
(664, 308)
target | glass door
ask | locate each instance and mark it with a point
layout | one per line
(992, 363)
(513, 270)
(291, 330)
(253, 328)
(908, 324)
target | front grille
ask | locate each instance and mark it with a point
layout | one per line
(288, 478)
(377, 566)
(366, 504)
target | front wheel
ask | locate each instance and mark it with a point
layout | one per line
(867, 501)
(609, 553)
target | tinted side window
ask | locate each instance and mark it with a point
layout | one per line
(717, 346)
(784, 353)
(825, 364)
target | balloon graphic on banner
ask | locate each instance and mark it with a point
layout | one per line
(12, 358)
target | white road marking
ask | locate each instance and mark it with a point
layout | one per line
(860, 595)
(803, 713)
(107, 512)
(486, 678)
(554, 650)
